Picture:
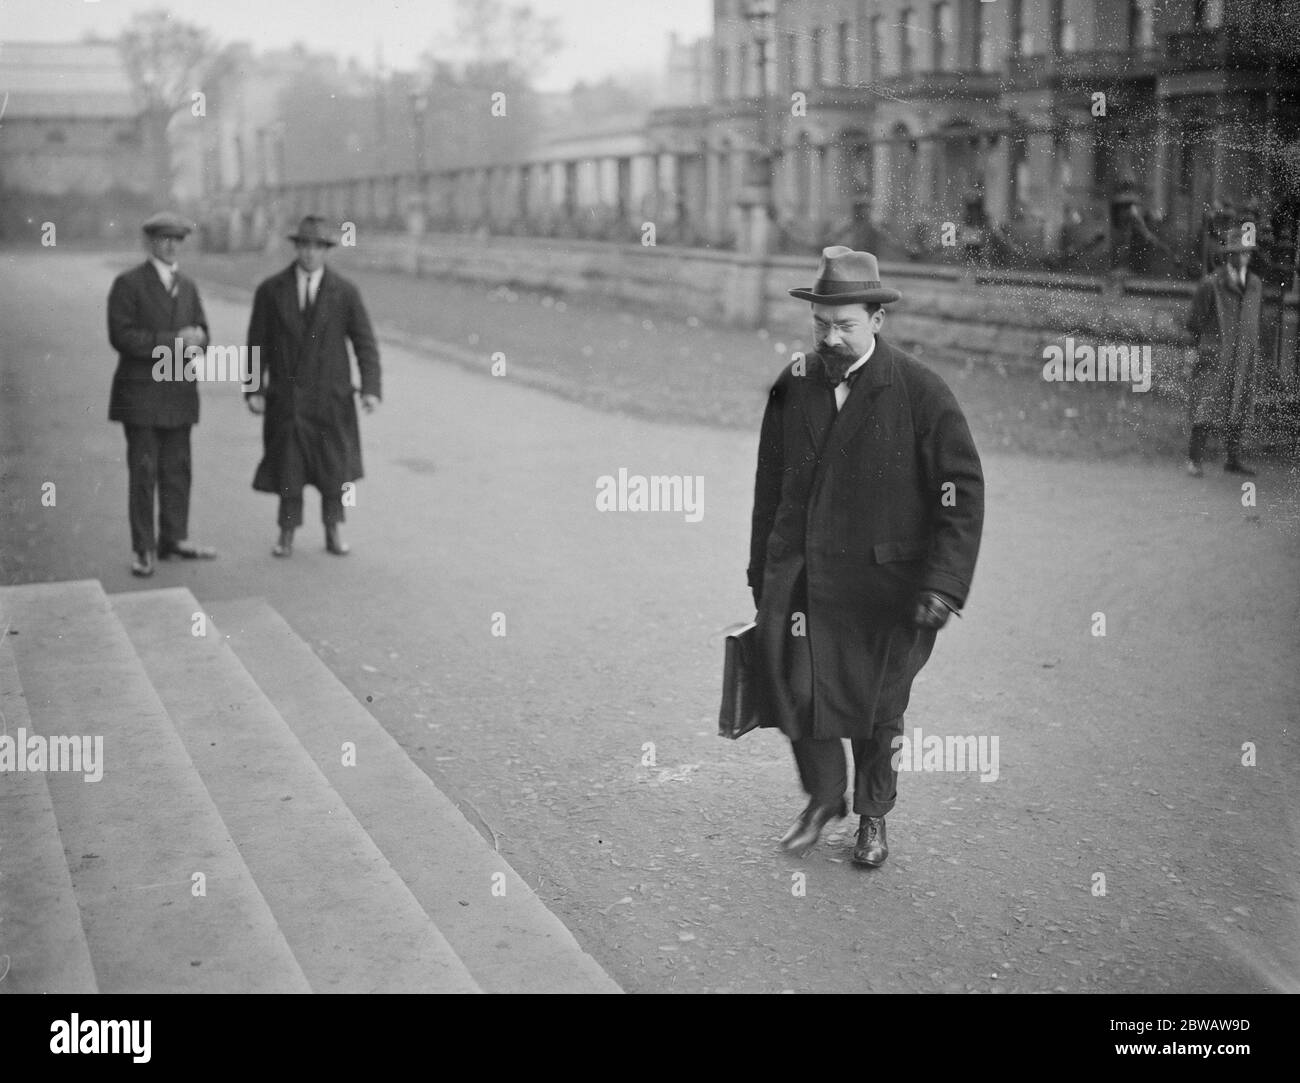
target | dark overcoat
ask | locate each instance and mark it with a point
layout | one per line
(854, 514)
(142, 315)
(307, 377)
(1225, 320)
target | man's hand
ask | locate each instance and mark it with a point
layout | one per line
(369, 403)
(931, 610)
(256, 403)
(193, 336)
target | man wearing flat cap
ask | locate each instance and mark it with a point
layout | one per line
(1224, 317)
(868, 508)
(303, 319)
(151, 306)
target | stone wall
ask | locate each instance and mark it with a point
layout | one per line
(997, 317)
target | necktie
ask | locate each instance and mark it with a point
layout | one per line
(841, 396)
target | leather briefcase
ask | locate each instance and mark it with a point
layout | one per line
(740, 683)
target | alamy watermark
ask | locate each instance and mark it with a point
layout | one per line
(659, 492)
(1082, 363)
(33, 752)
(210, 364)
(950, 753)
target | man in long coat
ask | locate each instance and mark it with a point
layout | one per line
(1225, 318)
(868, 508)
(154, 306)
(303, 319)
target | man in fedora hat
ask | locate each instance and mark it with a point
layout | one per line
(1224, 316)
(150, 306)
(868, 508)
(303, 319)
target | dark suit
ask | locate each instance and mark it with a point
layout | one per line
(309, 432)
(855, 513)
(157, 414)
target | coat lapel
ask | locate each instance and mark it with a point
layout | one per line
(287, 298)
(324, 297)
(878, 373)
(816, 402)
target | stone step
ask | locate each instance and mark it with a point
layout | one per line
(351, 922)
(507, 938)
(135, 840)
(42, 944)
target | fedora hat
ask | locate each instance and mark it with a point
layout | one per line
(314, 228)
(168, 224)
(1233, 242)
(846, 277)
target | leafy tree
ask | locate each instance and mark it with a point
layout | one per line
(165, 60)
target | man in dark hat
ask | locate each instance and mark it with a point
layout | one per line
(868, 508)
(302, 321)
(151, 306)
(1225, 318)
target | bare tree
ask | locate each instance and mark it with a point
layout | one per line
(514, 37)
(165, 60)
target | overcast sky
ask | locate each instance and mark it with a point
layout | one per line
(601, 37)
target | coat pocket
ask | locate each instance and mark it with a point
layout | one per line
(889, 552)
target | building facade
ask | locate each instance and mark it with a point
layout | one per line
(73, 146)
(886, 121)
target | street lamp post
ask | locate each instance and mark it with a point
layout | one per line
(418, 205)
(756, 195)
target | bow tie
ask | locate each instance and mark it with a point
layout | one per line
(833, 380)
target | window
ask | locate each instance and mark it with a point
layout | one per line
(845, 57)
(1022, 38)
(1066, 34)
(986, 47)
(944, 37)
(818, 67)
(1141, 24)
(905, 42)
(874, 30)
(792, 59)
(1209, 14)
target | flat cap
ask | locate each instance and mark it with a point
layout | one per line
(168, 223)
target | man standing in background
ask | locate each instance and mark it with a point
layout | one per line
(1225, 319)
(303, 318)
(151, 306)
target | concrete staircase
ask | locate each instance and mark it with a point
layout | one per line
(254, 829)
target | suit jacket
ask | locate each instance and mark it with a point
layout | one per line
(142, 316)
(854, 514)
(307, 376)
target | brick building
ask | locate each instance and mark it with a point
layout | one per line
(73, 148)
(916, 113)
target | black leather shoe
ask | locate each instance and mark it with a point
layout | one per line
(872, 847)
(333, 543)
(283, 547)
(143, 564)
(186, 551)
(799, 822)
(1232, 466)
(808, 828)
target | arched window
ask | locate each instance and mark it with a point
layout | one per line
(1022, 42)
(945, 37)
(1209, 14)
(1141, 24)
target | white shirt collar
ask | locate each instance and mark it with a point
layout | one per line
(312, 276)
(864, 358)
(166, 271)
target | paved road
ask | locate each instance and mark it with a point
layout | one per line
(1119, 755)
